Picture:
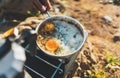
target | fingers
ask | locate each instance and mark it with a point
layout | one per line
(38, 5)
(41, 5)
(48, 4)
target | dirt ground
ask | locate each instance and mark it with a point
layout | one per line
(90, 13)
(103, 34)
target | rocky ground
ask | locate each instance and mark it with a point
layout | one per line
(101, 19)
(99, 57)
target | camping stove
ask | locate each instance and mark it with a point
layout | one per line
(43, 66)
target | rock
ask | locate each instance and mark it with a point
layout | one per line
(107, 19)
(56, 10)
(84, 63)
(106, 1)
(93, 58)
(35, 21)
(116, 38)
(115, 24)
(59, 7)
(110, 1)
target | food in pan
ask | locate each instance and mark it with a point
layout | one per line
(58, 37)
(51, 45)
(48, 27)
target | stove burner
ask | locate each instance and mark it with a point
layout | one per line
(43, 66)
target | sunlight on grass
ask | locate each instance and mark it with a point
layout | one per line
(36, 13)
(100, 73)
(111, 59)
(111, 65)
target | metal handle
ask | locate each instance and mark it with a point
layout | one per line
(47, 12)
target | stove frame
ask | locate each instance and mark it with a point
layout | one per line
(51, 67)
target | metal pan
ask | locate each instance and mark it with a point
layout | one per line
(68, 32)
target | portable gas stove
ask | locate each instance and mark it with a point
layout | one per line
(44, 66)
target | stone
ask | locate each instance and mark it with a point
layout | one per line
(35, 21)
(116, 38)
(106, 1)
(107, 19)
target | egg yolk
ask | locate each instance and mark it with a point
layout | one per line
(51, 45)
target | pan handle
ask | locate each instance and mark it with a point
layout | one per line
(47, 12)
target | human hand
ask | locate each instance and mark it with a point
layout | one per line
(41, 5)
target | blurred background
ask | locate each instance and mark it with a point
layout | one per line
(100, 56)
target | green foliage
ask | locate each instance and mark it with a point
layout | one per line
(100, 73)
(111, 59)
(103, 71)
